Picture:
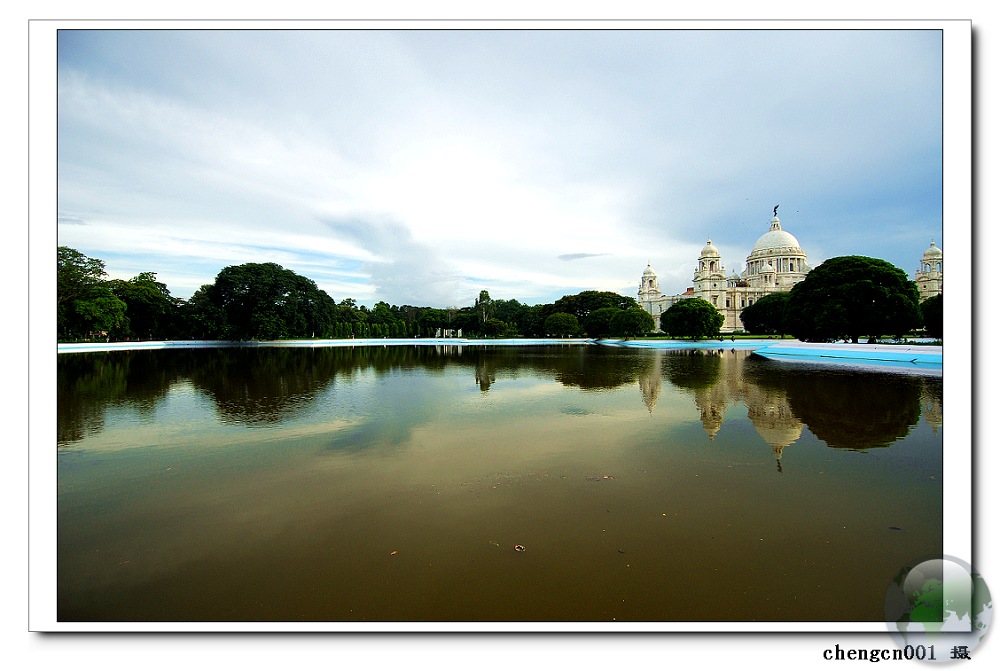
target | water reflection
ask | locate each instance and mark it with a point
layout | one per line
(845, 410)
(256, 386)
(392, 483)
(88, 384)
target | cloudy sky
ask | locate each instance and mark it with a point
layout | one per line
(421, 166)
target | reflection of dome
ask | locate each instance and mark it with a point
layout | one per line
(779, 437)
(651, 382)
(711, 420)
(710, 250)
(774, 240)
(932, 411)
(774, 420)
(933, 251)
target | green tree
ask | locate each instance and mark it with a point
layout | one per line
(532, 321)
(562, 324)
(513, 312)
(202, 319)
(496, 328)
(101, 312)
(432, 319)
(152, 311)
(468, 320)
(932, 311)
(484, 306)
(263, 301)
(85, 305)
(693, 318)
(582, 304)
(598, 322)
(76, 275)
(766, 315)
(631, 323)
(850, 297)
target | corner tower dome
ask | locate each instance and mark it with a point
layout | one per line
(933, 251)
(709, 250)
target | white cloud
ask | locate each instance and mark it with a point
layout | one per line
(415, 166)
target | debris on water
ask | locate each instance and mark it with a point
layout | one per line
(393, 552)
(598, 478)
(519, 548)
(620, 551)
(895, 528)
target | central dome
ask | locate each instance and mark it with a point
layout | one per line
(776, 239)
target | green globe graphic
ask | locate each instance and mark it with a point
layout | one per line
(941, 603)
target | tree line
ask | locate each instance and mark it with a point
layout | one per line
(847, 297)
(264, 301)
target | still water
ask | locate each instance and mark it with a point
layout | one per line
(512, 484)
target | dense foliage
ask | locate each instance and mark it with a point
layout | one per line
(932, 311)
(264, 301)
(848, 297)
(693, 318)
(766, 315)
(561, 324)
(85, 305)
(632, 323)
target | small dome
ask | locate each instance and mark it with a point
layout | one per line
(767, 268)
(709, 250)
(934, 251)
(648, 271)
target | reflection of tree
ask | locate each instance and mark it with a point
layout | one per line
(846, 410)
(88, 383)
(265, 385)
(602, 368)
(485, 373)
(693, 369)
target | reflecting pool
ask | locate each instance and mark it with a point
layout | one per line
(512, 484)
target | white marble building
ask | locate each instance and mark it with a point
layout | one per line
(776, 263)
(930, 276)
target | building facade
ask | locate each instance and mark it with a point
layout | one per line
(776, 263)
(930, 276)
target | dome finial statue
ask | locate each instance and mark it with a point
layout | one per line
(776, 210)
